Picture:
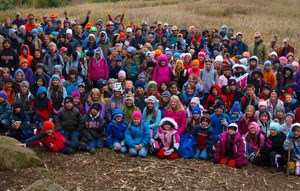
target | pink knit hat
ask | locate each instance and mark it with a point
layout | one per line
(122, 73)
(283, 58)
(136, 114)
(202, 54)
(75, 93)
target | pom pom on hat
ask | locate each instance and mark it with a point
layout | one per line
(219, 58)
(236, 107)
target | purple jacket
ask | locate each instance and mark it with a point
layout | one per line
(239, 149)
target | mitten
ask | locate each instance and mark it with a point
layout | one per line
(169, 152)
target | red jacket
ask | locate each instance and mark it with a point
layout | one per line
(239, 148)
(211, 98)
(57, 139)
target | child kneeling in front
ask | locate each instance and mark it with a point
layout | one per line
(54, 141)
(137, 136)
(231, 148)
(292, 144)
(115, 131)
(166, 141)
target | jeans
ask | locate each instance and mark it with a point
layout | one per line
(70, 147)
(72, 136)
(141, 153)
(202, 154)
(96, 143)
(123, 148)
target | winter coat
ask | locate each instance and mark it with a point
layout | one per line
(208, 78)
(210, 101)
(239, 149)
(153, 119)
(238, 48)
(57, 139)
(179, 117)
(260, 139)
(273, 144)
(162, 73)
(233, 96)
(285, 128)
(68, 120)
(291, 107)
(112, 104)
(104, 44)
(5, 110)
(29, 76)
(28, 57)
(42, 107)
(137, 134)
(272, 108)
(168, 139)
(98, 69)
(216, 124)
(115, 132)
(270, 78)
(205, 138)
(71, 86)
(293, 145)
(223, 81)
(26, 100)
(128, 112)
(260, 51)
(51, 60)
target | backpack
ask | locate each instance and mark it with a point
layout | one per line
(187, 143)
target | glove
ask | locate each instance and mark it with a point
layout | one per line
(291, 134)
(224, 122)
(169, 152)
(107, 11)
(51, 145)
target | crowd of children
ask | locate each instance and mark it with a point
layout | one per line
(157, 89)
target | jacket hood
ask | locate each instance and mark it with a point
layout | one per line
(27, 48)
(17, 71)
(152, 99)
(106, 38)
(288, 67)
(254, 58)
(257, 129)
(217, 87)
(41, 90)
(257, 71)
(98, 51)
(162, 58)
(169, 120)
(117, 112)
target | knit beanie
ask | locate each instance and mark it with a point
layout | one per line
(219, 58)
(290, 114)
(168, 52)
(117, 112)
(236, 107)
(3, 95)
(141, 76)
(139, 83)
(195, 100)
(96, 106)
(152, 84)
(201, 54)
(48, 125)
(267, 63)
(166, 94)
(157, 52)
(196, 110)
(136, 114)
(55, 76)
(262, 102)
(274, 126)
(23, 61)
(75, 93)
(283, 59)
(195, 62)
(279, 108)
(122, 73)
(176, 55)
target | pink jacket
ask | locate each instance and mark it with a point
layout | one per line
(179, 117)
(255, 146)
(162, 73)
(169, 139)
(239, 148)
(98, 69)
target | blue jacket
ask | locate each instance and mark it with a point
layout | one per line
(152, 123)
(71, 86)
(115, 132)
(238, 48)
(216, 124)
(137, 134)
(5, 110)
(203, 135)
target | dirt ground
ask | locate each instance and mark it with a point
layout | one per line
(107, 170)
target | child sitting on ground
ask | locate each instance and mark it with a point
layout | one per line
(231, 148)
(5, 112)
(115, 131)
(166, 142)
(137, 136)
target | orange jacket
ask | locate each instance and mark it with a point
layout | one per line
(270, 78)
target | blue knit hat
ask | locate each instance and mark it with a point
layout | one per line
(196, 110)
(3, 95)
(55, 76)
(236, 107)
(267, 63)
(139, 83)
(176, 55)
(274, 126)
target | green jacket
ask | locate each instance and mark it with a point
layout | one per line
(260, 51)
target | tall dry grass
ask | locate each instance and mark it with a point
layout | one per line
(281, 17)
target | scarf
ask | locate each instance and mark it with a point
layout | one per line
(166, 138)
(177, 75)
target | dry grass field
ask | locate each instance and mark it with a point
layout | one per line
(281, 17)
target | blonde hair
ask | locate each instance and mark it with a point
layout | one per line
(178, 103)
(51, 86)
(52, 44)
(94, 91)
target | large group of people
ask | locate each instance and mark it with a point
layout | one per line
(150, 89)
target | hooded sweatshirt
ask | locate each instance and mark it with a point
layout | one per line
(28, 57)
(9, 58)
(260, 138)
(162, 73)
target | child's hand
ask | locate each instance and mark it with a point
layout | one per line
(169, 152)
(51, 145)
(89, 12)
(21, 145)
(117, 147)
(138, 147)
